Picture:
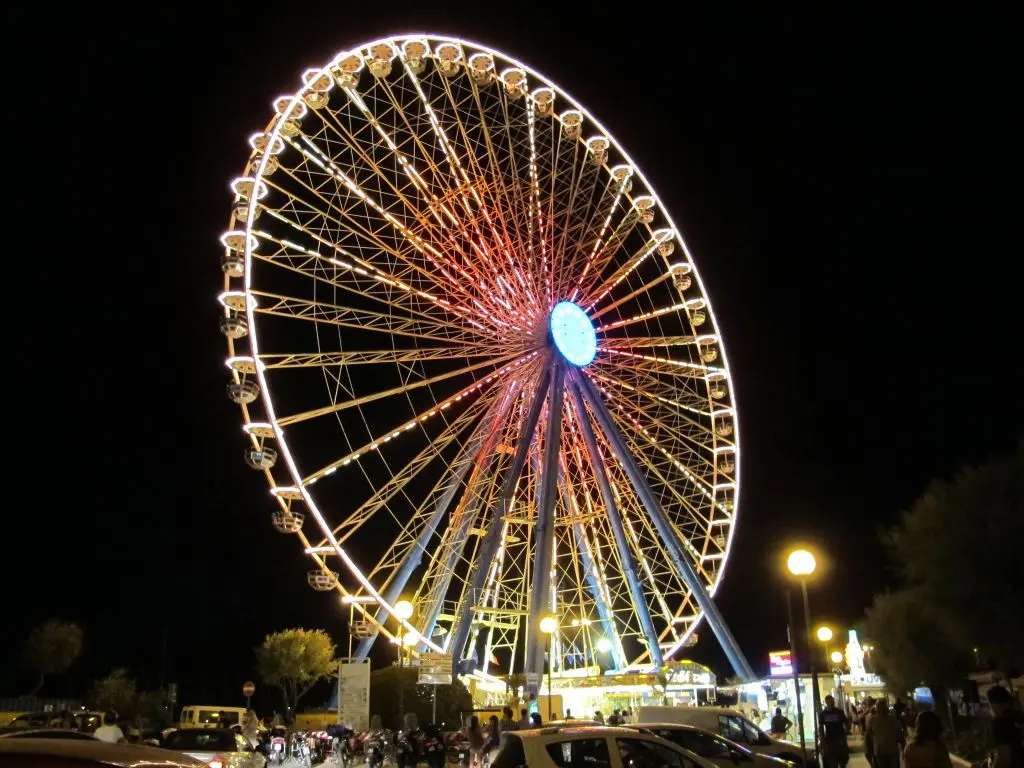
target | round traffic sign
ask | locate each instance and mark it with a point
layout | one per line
(248, 688)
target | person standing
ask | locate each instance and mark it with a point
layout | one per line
(927, 750)
(780, 724)
(884, 733)
(109, 731)
(507, 723)
(1007, 729)
(476, 742)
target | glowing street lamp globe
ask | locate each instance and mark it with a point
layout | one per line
(548, 624)
(410, 639)
(801, 562)
(604, 645)
(403, 610)
(573, 333)
(824, 634)
(837, 657)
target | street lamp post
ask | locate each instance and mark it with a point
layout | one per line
(793, 659)
(549, 625)
(403, 612)
(802, 564)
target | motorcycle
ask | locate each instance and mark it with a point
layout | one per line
(377, 747)
(407, 748)
(299, 749)
(276, 746)
(433, 749)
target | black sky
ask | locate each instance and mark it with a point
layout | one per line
(843, 179)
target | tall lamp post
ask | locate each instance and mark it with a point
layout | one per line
(801, 563)
(549, 625)
(825, 635)
(403, 611)
(836, 658)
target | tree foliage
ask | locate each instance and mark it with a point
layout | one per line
(452, 700)
(957, 550)
(118, 693)
(293, 660)
(51, 649)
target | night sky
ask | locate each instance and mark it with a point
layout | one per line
(843, 181)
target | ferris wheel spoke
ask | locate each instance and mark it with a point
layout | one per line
(594, 235)
(644, 342)
(378, 241)
(294, 308)
(279, 360)
(295, 418)
(658, 393)
(658, 239)
(643, 289)
(368, 282)
(653, 452)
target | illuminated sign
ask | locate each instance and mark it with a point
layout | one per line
(780, 663)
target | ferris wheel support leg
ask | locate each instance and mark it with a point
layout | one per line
(679, 559)
(595, 590)
(544, 528)
(492, 539)
(626, 558)
(414, 557)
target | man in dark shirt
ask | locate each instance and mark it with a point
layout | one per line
(834, 726)
(1007, 729)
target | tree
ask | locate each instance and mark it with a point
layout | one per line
(514, 684)
(452, 700)
(115, 693)
(917, 648)
(51, 648)
(959, 545)
(294, 660)
(957, 552)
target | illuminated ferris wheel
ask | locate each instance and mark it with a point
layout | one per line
(477, 366)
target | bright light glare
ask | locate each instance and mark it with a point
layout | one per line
(403, 609)
(824, 634)
(604, 645)
(548, 624)
(410, 639)
(837, 657)
(801, 562)
(573, 333)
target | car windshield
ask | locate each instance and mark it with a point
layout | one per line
(201, 740)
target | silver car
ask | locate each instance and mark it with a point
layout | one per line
(217, 747)
(711, 746)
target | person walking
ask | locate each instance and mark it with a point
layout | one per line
(927, 750)
(885, 734)
(251, 727)
(834, 729)
(476, 743)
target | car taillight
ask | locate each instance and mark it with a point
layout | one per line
(216, 762)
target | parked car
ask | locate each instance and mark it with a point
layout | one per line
(194, 716)
(88, 753)
(593, 747)
(46, 733)
(712, 746)
(217, 747)
(730, 723)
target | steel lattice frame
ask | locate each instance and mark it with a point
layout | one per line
(404, 226)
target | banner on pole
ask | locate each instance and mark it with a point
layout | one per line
(354, 694)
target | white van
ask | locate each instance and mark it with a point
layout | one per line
(730, 723)
(209, 717)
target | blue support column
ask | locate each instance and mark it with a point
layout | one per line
(414, 557)
(492, 538)
(595, 590)
(626, 558)
(680, 560)
(544, 528)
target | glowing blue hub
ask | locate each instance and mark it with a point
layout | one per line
(573, 333)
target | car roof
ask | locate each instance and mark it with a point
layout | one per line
(45, 733)
(120, 755)
(680, 726)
